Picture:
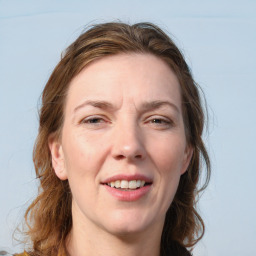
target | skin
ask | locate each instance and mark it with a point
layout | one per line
(130, 137)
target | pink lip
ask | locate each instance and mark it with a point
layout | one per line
(127, 177)
(129, 195)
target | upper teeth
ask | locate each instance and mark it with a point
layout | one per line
(133, 184)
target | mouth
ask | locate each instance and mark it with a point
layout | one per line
(125, 185)
(128, 187)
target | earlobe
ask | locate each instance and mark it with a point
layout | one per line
(57, 156)
(187, 158)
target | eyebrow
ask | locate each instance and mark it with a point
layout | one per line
(95, 103)
(156, 104)
(146, 106)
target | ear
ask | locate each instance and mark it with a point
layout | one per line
(187, 158)
(58, 161)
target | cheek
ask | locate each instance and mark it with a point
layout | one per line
(80, 167)
(80, 153)
(169, 155)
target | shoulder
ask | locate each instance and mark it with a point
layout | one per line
(21, 254)
(15, 254)
(182, 251)
(176, 249)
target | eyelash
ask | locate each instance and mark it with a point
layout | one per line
(163, 122)
(159, 122)
(91, 120)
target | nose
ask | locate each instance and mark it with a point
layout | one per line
(128, 143)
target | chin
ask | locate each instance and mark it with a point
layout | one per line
(123, 231)
(129, 222)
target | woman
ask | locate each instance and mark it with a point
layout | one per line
(119, 148)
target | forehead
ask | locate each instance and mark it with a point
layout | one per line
(137, 76)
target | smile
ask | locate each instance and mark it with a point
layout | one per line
(128, 188)
(125, 184)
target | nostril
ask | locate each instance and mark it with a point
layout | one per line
(120, 157)
(129, 153)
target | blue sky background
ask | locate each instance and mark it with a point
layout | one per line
(218, 39)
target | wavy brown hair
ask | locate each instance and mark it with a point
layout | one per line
(49, 218)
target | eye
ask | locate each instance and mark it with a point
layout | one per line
(94, 122)
(158, 122)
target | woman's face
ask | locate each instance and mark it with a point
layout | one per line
(123, 127)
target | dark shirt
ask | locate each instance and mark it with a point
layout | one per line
(175, 249)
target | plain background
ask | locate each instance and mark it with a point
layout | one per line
(218, 39)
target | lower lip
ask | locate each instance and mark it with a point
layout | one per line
(128, 195)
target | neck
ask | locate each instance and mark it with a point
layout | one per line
(114, 246)
(87, 239)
